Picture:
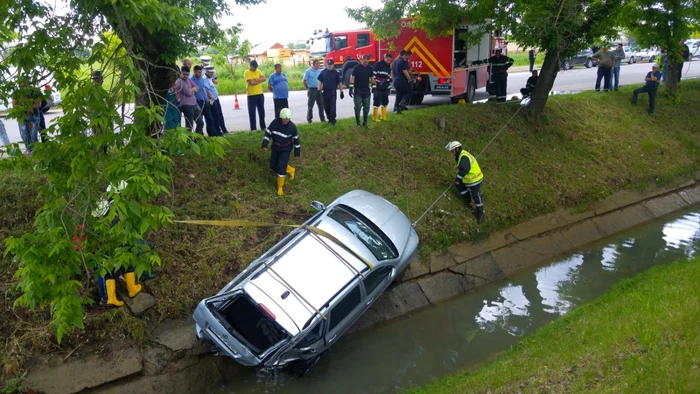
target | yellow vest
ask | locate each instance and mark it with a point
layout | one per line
(474, 174)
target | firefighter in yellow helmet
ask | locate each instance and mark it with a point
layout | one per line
(469, 177)
(283, 134)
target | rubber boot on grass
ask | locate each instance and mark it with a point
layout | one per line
(383, 113)
(480, 214)
(375, 114)
(290, 171)
(131, 286)
(280, 186)
(111, 286)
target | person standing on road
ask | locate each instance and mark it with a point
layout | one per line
(313, 95)
(499, 72)
(279, 86)
(469, 178)
(329, 80)
(382, 78)
(254, 79)
(652, 85)
(361, 79)
(685, 57)
(619, 55)
(29, 99)
(531, 56)
(204, 100)
(605, 61)
(186, 90)
(284, 135)
(402, 77)
(216, 111)
(530, 85)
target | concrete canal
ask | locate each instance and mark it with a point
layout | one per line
(465, 331)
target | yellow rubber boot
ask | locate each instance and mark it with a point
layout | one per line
(280, 186)
(290, 171)
(131, 285)
(111, 286)
(383, 113)
(375, 114)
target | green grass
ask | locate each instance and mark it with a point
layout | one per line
(641, 337)
(584, 148)
(522, 59)
(229, 85)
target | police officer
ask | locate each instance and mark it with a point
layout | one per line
(361, 79)
(499, 73)
(382, 77)
(401, 71)
(283, 134)
(469, 177)
(329, 81)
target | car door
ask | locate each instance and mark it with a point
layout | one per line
(344, 313)
(376, 282)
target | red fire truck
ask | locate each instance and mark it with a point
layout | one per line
(443, 65)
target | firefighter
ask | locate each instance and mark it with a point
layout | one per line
(469, 177)
(382, 76)
(282, 132)
(499, 72)
(361, 80)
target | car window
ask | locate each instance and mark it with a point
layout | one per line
(340, 42)
(312, 336)
(365, 231)
(376, 278)
(362, 40)
(344, 307)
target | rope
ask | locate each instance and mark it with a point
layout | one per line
(476, 157)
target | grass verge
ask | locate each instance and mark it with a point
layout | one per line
(584, 148)
(641, 337)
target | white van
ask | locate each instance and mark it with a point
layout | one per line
(694, 46)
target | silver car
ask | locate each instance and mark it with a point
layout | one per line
(296, 300)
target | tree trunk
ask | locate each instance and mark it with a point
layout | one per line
(672, 72)
(548, 73)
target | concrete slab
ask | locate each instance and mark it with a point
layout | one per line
(156, 359)
(441, 261)
(56, 376)
(481, 270)
(176, 335)
(466, 251)
(415, 268)
(572, 218)
(691, 196)
(664, 205)
(582, 233)
(526, 253)
(623, 219)
(620, 199)
(139, 304)
(409, 296)
(443, 285)
(538, 226)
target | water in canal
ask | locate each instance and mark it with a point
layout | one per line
(436, 341)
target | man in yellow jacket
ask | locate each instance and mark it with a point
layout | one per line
(469, 177)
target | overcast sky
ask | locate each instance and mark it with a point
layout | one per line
(291, 20)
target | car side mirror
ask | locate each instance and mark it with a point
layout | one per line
(318, 206)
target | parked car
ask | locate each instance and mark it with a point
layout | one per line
(630, 55)
(296, 300)
(583, 57)
(694, 46)
(649, 54)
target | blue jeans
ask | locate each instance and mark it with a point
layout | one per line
(256, 102)
(616, 78)
(29, 131)
(604, 74)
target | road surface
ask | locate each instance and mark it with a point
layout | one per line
(577, 79)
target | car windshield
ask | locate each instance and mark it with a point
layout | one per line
(320, 46)
(365, 231)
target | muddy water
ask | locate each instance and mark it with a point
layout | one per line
(462, 332)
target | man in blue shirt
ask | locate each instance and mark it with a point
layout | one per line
(652, 85)
(216, 112)
(203, 96)
(313, 95)
(279, 86)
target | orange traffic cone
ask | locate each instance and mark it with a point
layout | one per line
(235, 105)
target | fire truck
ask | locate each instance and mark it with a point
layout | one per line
(444, 66)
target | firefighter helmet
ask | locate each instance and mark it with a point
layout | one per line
(453, 145)
(286, 113)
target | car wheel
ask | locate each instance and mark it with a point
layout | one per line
(566, 65)
(589, 63)
(299, 368)
(652, 59)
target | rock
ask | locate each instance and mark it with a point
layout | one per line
(444, 285)
(415, 269)
(441, 261)
(176, 335)
(79, 374)
(538, 226)
(691, 196)
(482, 270)
(661, 206)
(139, 304)
(624, 219)
(409, 296)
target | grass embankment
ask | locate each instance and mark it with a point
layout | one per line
(522, 59)
(641, 337)
(585, 147)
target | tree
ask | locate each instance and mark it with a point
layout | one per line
(101, 162)
(663, 23)
(560, 27)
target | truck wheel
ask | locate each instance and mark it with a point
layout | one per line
(299, 368)
(346, 77)
(416, 99)
(471, 88)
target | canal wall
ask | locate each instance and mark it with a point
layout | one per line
(172, 361)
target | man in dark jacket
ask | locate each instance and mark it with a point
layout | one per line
(685, 56)
(401, 70)
(530, 85)
(499, 73)
(329, 81)
(283, 134)
(382, 77)
(360, 81)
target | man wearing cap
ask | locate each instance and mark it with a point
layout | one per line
(216, 112)
(499, 72)
(206, 60)
(279, 86)
(185, 89)
(284, 135)
(313, 95)
(203, 97)
(382, 77)
(469, 177)
(254, 79)
(652, 85)
(329, 81)
(360, 81)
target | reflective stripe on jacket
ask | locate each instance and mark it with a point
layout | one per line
(474, 175)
